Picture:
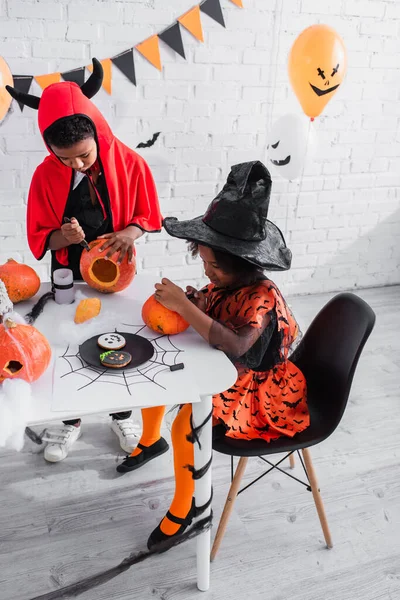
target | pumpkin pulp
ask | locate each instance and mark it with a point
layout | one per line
(104, 272)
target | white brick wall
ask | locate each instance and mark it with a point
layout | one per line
(214, 110)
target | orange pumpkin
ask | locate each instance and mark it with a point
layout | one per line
(21, 281)
(106, 275)
(24, 352)
(161, 319)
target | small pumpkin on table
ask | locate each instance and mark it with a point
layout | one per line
(161, 319)
(21, 281)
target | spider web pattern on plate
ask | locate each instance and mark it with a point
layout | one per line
(165, 356)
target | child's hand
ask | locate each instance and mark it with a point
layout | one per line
(73, 232)
(197, 298)
(170, 295)
(122, 242)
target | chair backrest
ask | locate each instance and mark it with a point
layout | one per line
(328, 356)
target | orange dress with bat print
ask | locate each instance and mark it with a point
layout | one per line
(269, 398)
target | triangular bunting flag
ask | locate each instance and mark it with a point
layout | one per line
(76, 75)
(45, 80)
(22, 83)
(151, 50)
(173, 38)
(213, 9)
(106, 64)
(192, 22)
(125, 64)
(238, 3)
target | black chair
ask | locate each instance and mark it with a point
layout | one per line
(328, 356)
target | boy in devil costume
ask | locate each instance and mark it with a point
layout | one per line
(101, 187)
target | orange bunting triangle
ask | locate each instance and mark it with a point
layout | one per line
(45, 80)
(106, 64)
(238, 3)
(150, 49)
(192, 22)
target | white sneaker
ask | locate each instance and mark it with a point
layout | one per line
(128, 433)
(60, 441)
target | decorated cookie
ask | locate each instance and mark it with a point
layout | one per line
(115, 359)
(111, 341)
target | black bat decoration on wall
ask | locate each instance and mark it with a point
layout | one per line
(149, 143)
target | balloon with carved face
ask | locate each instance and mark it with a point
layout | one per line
(291, 143)
(5, 79)
(317, 66)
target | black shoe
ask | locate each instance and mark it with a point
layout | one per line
(157, 536)
(131, 463)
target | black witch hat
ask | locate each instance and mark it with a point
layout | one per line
(236, 220)
(89, 88)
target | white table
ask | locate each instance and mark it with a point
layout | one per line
(206, 372)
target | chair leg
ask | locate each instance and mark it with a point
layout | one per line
(291, 461)
(230, 500)
(317, 496)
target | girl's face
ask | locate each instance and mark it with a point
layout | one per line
(81, 156)
(212, 270)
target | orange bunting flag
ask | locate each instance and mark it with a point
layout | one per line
(45, 80)
(151, 51)
(192, 22)
(106, 64)
(238, 3)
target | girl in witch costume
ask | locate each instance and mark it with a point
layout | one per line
(89, 186)
(242, 313)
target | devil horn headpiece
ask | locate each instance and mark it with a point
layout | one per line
(89, 88)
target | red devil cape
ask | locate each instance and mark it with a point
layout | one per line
(130, 185)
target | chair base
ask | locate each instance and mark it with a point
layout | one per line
(235, 490)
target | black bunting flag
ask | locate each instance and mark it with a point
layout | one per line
(76, 75)
(213, 9)
(125, 64)
(173, 38)
(22, 83)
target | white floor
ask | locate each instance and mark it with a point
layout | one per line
(60, 523)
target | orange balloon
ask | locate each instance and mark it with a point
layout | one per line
(5, 79)
(317, 66)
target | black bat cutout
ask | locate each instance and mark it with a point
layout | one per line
(149, 143)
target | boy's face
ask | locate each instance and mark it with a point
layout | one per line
(81, 156)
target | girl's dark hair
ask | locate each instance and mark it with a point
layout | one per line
(245, 272)
(66, 132)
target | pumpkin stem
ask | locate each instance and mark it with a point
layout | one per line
(10, 324)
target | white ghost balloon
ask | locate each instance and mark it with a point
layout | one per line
(292, 142)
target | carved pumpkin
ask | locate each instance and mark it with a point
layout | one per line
(161, 319)
(24, 352)
(103, 275)
(88, 308)
(21, 281)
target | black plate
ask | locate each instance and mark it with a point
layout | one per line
(138, 347)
